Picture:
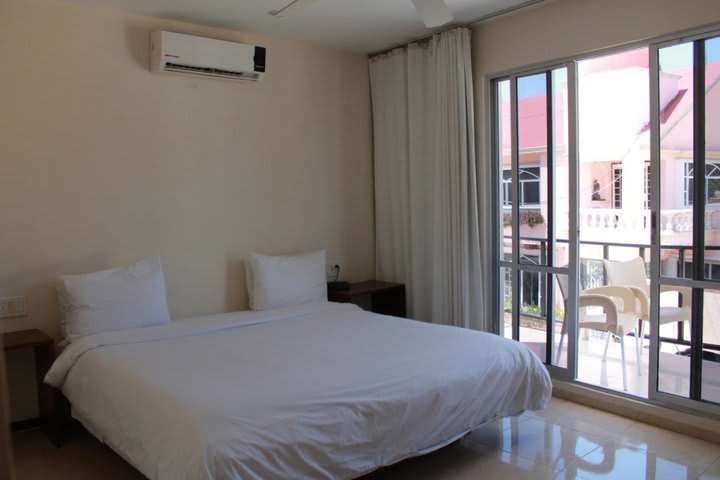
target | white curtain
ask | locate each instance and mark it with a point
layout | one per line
(426, 198)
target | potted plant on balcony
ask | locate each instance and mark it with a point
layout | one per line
(531, 219)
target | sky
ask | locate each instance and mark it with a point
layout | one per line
(680, 56)
(671, 58)
(534, 84)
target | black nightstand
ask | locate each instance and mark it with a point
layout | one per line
(44, 349)
(386, 298)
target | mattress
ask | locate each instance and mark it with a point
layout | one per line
(318, 391)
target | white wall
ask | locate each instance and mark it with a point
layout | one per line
(104, 163)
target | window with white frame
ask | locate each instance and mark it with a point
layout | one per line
(712, 270)
(648, 186)
(528, 187)
(618, 185)
(531, 286)
(712, 183)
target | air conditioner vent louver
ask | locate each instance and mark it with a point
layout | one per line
(214, 72)
(208, 57)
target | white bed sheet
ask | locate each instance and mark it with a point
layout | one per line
(319, 391)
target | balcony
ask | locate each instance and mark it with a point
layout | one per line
(536, 311)
(673, 371)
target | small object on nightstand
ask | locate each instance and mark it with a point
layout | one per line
(386, 298)
(338, 286)
(44, 349)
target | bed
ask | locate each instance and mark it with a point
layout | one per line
(321, 390)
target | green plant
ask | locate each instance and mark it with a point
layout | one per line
(531, 219)
(534, 309)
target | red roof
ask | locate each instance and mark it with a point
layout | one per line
(676, 117)
(677, 132)
(532, 123)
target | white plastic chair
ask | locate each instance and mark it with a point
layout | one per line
(631, 274)
(616, 320)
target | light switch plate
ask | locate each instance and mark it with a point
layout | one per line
(13, 307)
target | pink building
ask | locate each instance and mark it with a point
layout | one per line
(614, 167)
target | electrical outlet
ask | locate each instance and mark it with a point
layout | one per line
(13, 307)
(332, 271)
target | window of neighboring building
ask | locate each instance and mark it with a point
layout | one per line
(712, 270)
(507, 177)
(617, 186)
(530, 283)
(648, 192)
(528, 184)
(712, 183)
(530, 287)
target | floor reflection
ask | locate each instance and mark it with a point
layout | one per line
(623, 450)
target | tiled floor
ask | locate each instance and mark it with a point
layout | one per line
(565, 441)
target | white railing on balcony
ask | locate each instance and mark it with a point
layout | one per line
(671, 221)
(679, 221)
(614, 219)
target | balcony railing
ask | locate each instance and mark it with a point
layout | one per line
(613, 219)
(671, 221)
(682, 250)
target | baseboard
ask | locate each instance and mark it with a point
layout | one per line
(696, 425)
(25, 424)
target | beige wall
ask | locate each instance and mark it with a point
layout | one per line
(559, 29)
(104, 163)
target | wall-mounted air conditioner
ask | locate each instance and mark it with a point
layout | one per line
(180, 53)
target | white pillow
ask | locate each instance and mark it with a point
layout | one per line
(283, 281)
(113, 299)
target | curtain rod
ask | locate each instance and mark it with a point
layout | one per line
(521, 6)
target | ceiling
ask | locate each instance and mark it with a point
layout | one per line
(355, 25)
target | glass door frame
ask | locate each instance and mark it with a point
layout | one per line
(548, 270)
(653, 44)
(694, 400)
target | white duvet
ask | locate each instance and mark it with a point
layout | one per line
(319, 391)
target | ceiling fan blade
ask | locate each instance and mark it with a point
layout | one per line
(434, 13)
(292, 8)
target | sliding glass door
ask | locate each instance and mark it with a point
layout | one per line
(607, 186)
(614, 215)
(685, 366)
(532, 155)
